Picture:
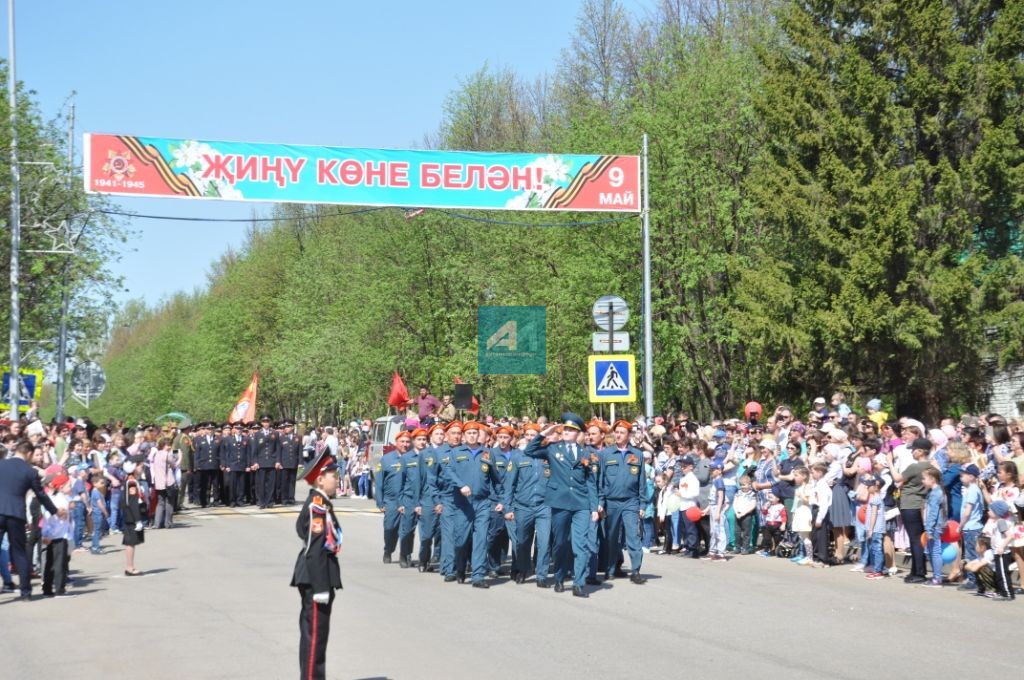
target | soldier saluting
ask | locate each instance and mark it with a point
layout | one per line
(317, 573)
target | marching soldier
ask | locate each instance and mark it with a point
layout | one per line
(453, 440)
(430, 501)
(572, 495)
(317, 573)
(524, 495)
(623, 496)
(598, 551)
(497, 534)
(472, 477)
(206, 461)
(266, 461)
(291, 451)
(389, 489)
(234, 458)
(411, 508)
(252, 467)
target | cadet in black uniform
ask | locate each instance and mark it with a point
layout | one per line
(317, 574)
(207, 465)
(234, 458)
(291, 451)
(267, 460)
(251, 466)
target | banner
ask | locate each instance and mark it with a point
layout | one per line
(245, 410)
(285, 173)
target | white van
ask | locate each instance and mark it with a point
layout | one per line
(382, 438)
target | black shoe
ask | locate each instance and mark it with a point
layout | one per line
(637, 578)
(912, 580)
(619, 573)
(387, 559)
(449, 578)
(559, 587)
(492, 574)
(25, 597)
(594, 581)
(521, 579)
(541, 583)
(422, 568)
(481, 584)
(577, 591)
(404, 563)
(461, 578)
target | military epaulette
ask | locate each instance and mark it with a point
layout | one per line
(318, 505)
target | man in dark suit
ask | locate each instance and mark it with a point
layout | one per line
(267, 458)
(17, 477)
(572, 495)
(290, 446)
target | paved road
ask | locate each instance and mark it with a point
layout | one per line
(216, 604)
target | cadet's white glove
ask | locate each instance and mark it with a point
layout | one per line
(321, 598)
(138, 526)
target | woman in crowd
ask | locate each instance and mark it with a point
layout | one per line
(162, 466)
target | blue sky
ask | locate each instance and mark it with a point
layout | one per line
(339, 73)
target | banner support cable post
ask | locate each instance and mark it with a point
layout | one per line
(62, 344)
(12, 96)
(611, 348)
(646, 229)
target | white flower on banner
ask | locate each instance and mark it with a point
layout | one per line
(554, 175)
(228, 190)
(190, 155)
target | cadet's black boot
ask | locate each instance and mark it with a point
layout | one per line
(387, 558)
(520, 578)
(541, 583)
(481, 584)
(577, 591)
(619, 573)
(593, 581)
(559, 586)
(449, 578)
(637, 578)
(404, 563)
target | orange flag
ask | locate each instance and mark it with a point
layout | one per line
(474, 405)
(245, 409)
(399, 396)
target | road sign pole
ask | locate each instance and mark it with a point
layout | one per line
(648, 358)
(12, 96)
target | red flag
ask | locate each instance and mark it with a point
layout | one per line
(474, 407)
(399, 396)
(245, 409)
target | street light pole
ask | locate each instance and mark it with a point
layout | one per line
(12, 96)
(62, 345)
(648, 344)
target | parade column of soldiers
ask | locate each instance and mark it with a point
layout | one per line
(239, 467)
(562, 503)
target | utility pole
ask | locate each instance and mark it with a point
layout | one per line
(648, 357)
(62, 345)
(12, 96)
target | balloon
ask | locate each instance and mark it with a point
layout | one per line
(693, 514)
(862, 514)
(952, 532)
(949, 553)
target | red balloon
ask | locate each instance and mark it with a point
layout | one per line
(952, 532)
(862, 514)
(693, 514)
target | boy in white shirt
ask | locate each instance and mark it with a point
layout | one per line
(55, 534)
(689, 494)
(821, 503)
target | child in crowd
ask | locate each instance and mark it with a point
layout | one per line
(689, 497)
(98, 510)
(874, 529)
(980, 569)
(802, 521)
(743, 506)
(115, 477)
(717, 507)
(56, 533)
(774, 523)
(79, 507)
(1000, 529)
(934, 523)
(972, 513)
(821, 502)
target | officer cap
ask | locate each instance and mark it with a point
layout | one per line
(323, 463)
(572, 420)
(254, 426)
(226, 426)
(237, 426)
(288, 423)
(265, 418)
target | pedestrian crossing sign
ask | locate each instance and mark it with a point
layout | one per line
(612, 378)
